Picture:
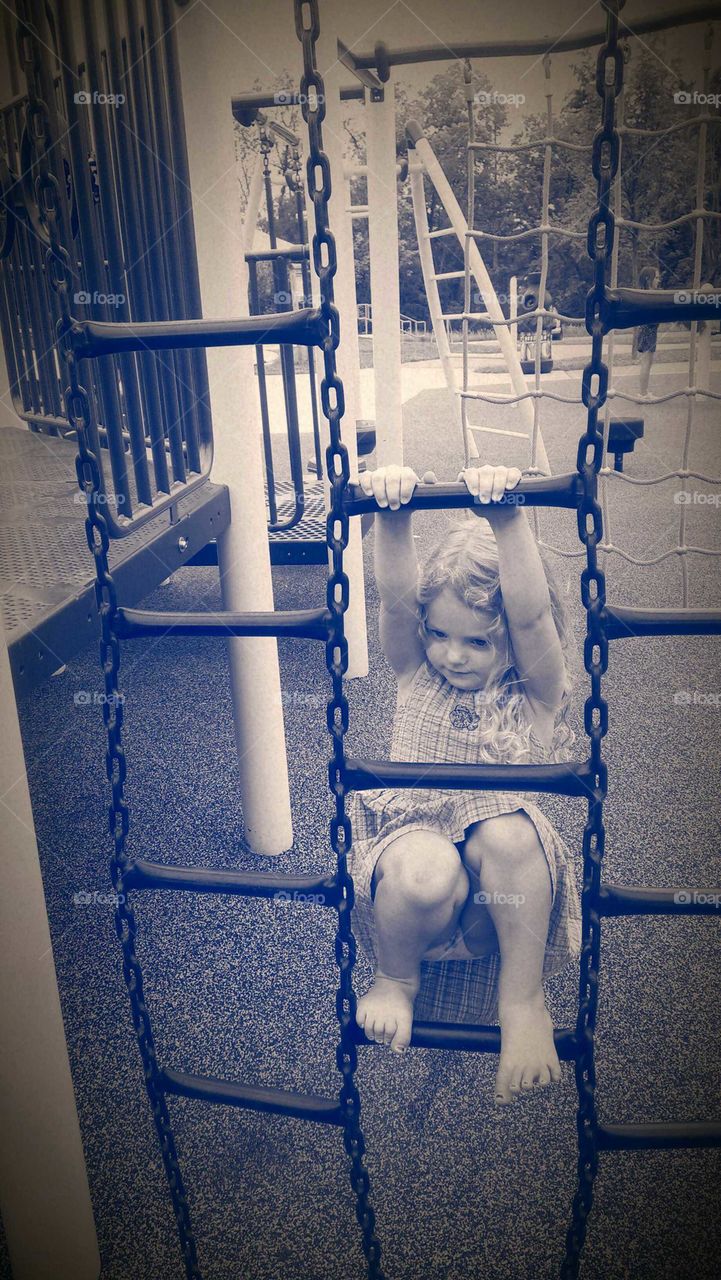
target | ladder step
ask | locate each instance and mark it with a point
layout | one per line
(470, 1039)
(281, 1102)
(321, 890)
(626, 624)
(305, 328)
(534, 491)
(449, 275)
(560, 779)
(307, 624)
(637, 900)
(626, 308)
(647, 1137)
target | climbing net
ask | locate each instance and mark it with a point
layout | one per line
(696, 126)
(587, 779)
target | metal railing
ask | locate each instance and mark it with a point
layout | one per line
(120, 124)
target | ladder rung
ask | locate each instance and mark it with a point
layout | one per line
(449, 275)
(626, 308)
(560, 779)
(308, 624)
(281, 1102)
(470, 1039)
(441, 231)
(322, 890)
(626, 624)
(92, 338)
(636, 900)
(539, 491)
(646, 1137)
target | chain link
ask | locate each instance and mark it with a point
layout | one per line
(605, 157)
(337, 528)
(79, 413)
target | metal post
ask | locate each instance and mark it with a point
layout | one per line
(347, 355)
(384, 272)
(513, 307)
(44, 1195)
(243, 550)
(703, 349)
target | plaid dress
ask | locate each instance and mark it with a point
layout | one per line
(440, 724)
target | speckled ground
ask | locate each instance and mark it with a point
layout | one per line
(245, 989)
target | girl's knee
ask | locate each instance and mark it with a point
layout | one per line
(510, 839)
(424, 869)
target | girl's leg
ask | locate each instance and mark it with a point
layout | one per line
(421, 888)
(505, 859)
(644, 373)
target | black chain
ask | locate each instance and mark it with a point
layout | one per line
(324, 259)
(78, 410)
(609, 82)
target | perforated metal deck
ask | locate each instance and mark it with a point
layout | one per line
(46, 570)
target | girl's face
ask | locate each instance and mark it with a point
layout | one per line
(457, 641)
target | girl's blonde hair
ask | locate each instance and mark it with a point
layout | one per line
(466, 561)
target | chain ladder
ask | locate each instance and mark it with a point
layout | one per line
(312, 91)
(79, 414)
(605, 156)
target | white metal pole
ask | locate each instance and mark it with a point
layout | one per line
(513, 305)
(348, 353)
(44, 1195)
(703, 349)
(243, 552)
(483, 280)
(385, 272)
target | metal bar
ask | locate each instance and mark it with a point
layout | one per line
(467, 1038)
(309, 624)
(637, 900)
(153, 259)
(650, 1137)
(299, 253)
(530, 47)
(367, 78)
(281, 1102)
(99, 339)
(560, 779)
(113, 248)
(319, 889)
(542, 491)
(170, 252)
(626, 308)
(138, 245)
(243, 105)
(626, 624)
(200, 445)
(263, 393)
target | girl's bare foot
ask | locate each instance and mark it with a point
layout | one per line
(528, 1054)
(385, 1012)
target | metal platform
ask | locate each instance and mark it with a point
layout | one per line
(47, 572)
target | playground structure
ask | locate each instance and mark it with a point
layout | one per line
(317, 327)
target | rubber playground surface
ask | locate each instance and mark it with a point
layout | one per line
(244, 989)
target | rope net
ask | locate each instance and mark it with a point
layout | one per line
(698, 127)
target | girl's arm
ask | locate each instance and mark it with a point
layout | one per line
(396, 566)
(526, 599)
